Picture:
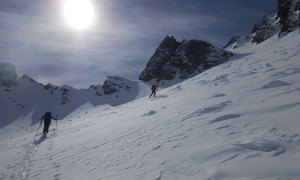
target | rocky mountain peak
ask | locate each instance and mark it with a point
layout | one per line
(182, 60)
(169, 43)
(114, 84)
(158, 60)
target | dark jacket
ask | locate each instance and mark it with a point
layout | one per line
(154, 88)
(47, 118)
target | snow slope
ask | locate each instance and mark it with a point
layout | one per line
(239, 120)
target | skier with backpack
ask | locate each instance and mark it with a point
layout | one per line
(153, 89)
(47, 121)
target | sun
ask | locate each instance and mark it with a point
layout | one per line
(78, 13)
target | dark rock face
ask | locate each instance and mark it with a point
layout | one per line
(283, 20)
(51, 88)
(287, 14)
(114, 84)
(65, 96)
(232, 41)
(109, 87)
(283, 12)
(182, 59)
(161, 56)
(264, 29)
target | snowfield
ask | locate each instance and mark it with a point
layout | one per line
(239, 120)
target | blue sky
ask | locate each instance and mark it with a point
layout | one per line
(125, 33)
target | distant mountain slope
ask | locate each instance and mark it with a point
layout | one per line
(22, 96)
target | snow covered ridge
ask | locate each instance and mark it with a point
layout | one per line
(182, 60)
(235, 121)
(282, 21)
(20, 97)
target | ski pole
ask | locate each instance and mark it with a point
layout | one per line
(56, 122)
(38, 128)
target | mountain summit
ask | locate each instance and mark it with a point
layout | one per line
(182, 60)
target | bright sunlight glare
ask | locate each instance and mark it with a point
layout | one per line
(78, 13)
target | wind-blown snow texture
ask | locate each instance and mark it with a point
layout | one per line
(239, 120)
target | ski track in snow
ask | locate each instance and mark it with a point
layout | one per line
(26, 162)
(22, 169)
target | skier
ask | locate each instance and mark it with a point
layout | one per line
(153, 89)
(47, 120)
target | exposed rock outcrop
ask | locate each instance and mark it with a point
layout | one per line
(283, 20)
(182, 60)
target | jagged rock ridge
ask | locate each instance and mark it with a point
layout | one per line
(182, 60)
(285, 19)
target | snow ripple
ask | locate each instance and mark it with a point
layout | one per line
(263, 146)
(274, 84)
(225, 117)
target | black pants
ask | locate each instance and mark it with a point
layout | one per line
(46, 126)
(153, 93)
